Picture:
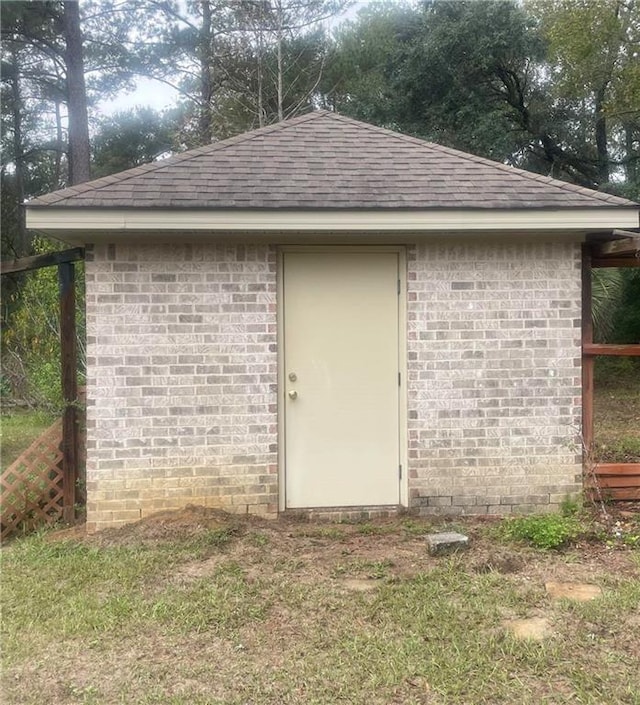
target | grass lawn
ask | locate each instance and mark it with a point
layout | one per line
(19, 430)
(199, 608)
(617, 423)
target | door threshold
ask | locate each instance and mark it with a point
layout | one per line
(345, 514)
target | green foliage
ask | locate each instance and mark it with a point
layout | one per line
(258, 539)
(31, 360)
(415, 527)
(616, 312)
(616, 404)
(626, 323)
(358, 78)
(493, 78)
(236, 65)
(543, 531)
(129, 139)
(627, 450)
(570, 506)
(368, 529)
(617, 371)
(630, 534)
(31, 341)
(592, 50)
(439, 72)
(607, 292)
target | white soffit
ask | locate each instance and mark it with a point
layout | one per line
(57, 221)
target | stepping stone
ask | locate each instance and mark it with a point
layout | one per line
(448, 542)
(359, 584)
(533, 629)
(581, 592)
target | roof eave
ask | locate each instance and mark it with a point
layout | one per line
(68, 222)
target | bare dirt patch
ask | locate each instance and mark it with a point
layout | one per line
(187, 523)
(535, 628)
(580, 592)
(359, 585)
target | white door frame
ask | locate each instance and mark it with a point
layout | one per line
(402, 357)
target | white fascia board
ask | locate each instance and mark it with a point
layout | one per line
(56, 220)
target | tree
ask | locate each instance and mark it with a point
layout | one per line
(238, 64)
(461, 73)
(44, 130)
(489, 78)
(363, 63)
(79, 159)
(44, 42)
(129, 139)
(282, 22)
(593, 50)
(25, 164)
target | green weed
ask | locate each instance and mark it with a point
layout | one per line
(414, 527)
(368, 529)
(258, 539)
(543, 531)
(333, 533)
(570, 506)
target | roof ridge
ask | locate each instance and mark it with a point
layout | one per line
(556, 183)
(195, 152)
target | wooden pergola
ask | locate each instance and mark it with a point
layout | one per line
(619, 481)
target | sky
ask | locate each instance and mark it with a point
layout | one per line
(147, 93)
(159, 96)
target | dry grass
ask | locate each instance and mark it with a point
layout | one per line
(617, 412)
(201, 608)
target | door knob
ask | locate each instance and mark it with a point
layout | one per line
(293, 394)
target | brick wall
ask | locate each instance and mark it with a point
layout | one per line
(181, 388)
(182, 373)
(494, 375)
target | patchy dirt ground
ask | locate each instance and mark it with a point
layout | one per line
(398, 545)
(203, 607)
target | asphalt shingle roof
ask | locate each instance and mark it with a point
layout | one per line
(323, 160)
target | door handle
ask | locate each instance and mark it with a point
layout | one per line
(293, 394)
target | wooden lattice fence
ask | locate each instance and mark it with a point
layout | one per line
(33, 486)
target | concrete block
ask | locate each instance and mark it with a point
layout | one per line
(448, 542)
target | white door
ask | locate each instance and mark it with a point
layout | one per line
(341, 378)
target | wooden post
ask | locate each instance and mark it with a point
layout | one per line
(69, 361)
(587, 359)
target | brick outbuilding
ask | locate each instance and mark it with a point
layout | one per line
(327, 316)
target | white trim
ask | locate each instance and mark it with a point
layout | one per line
(403, 334)
(53, 220)
(282, 500)
(402, 357)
